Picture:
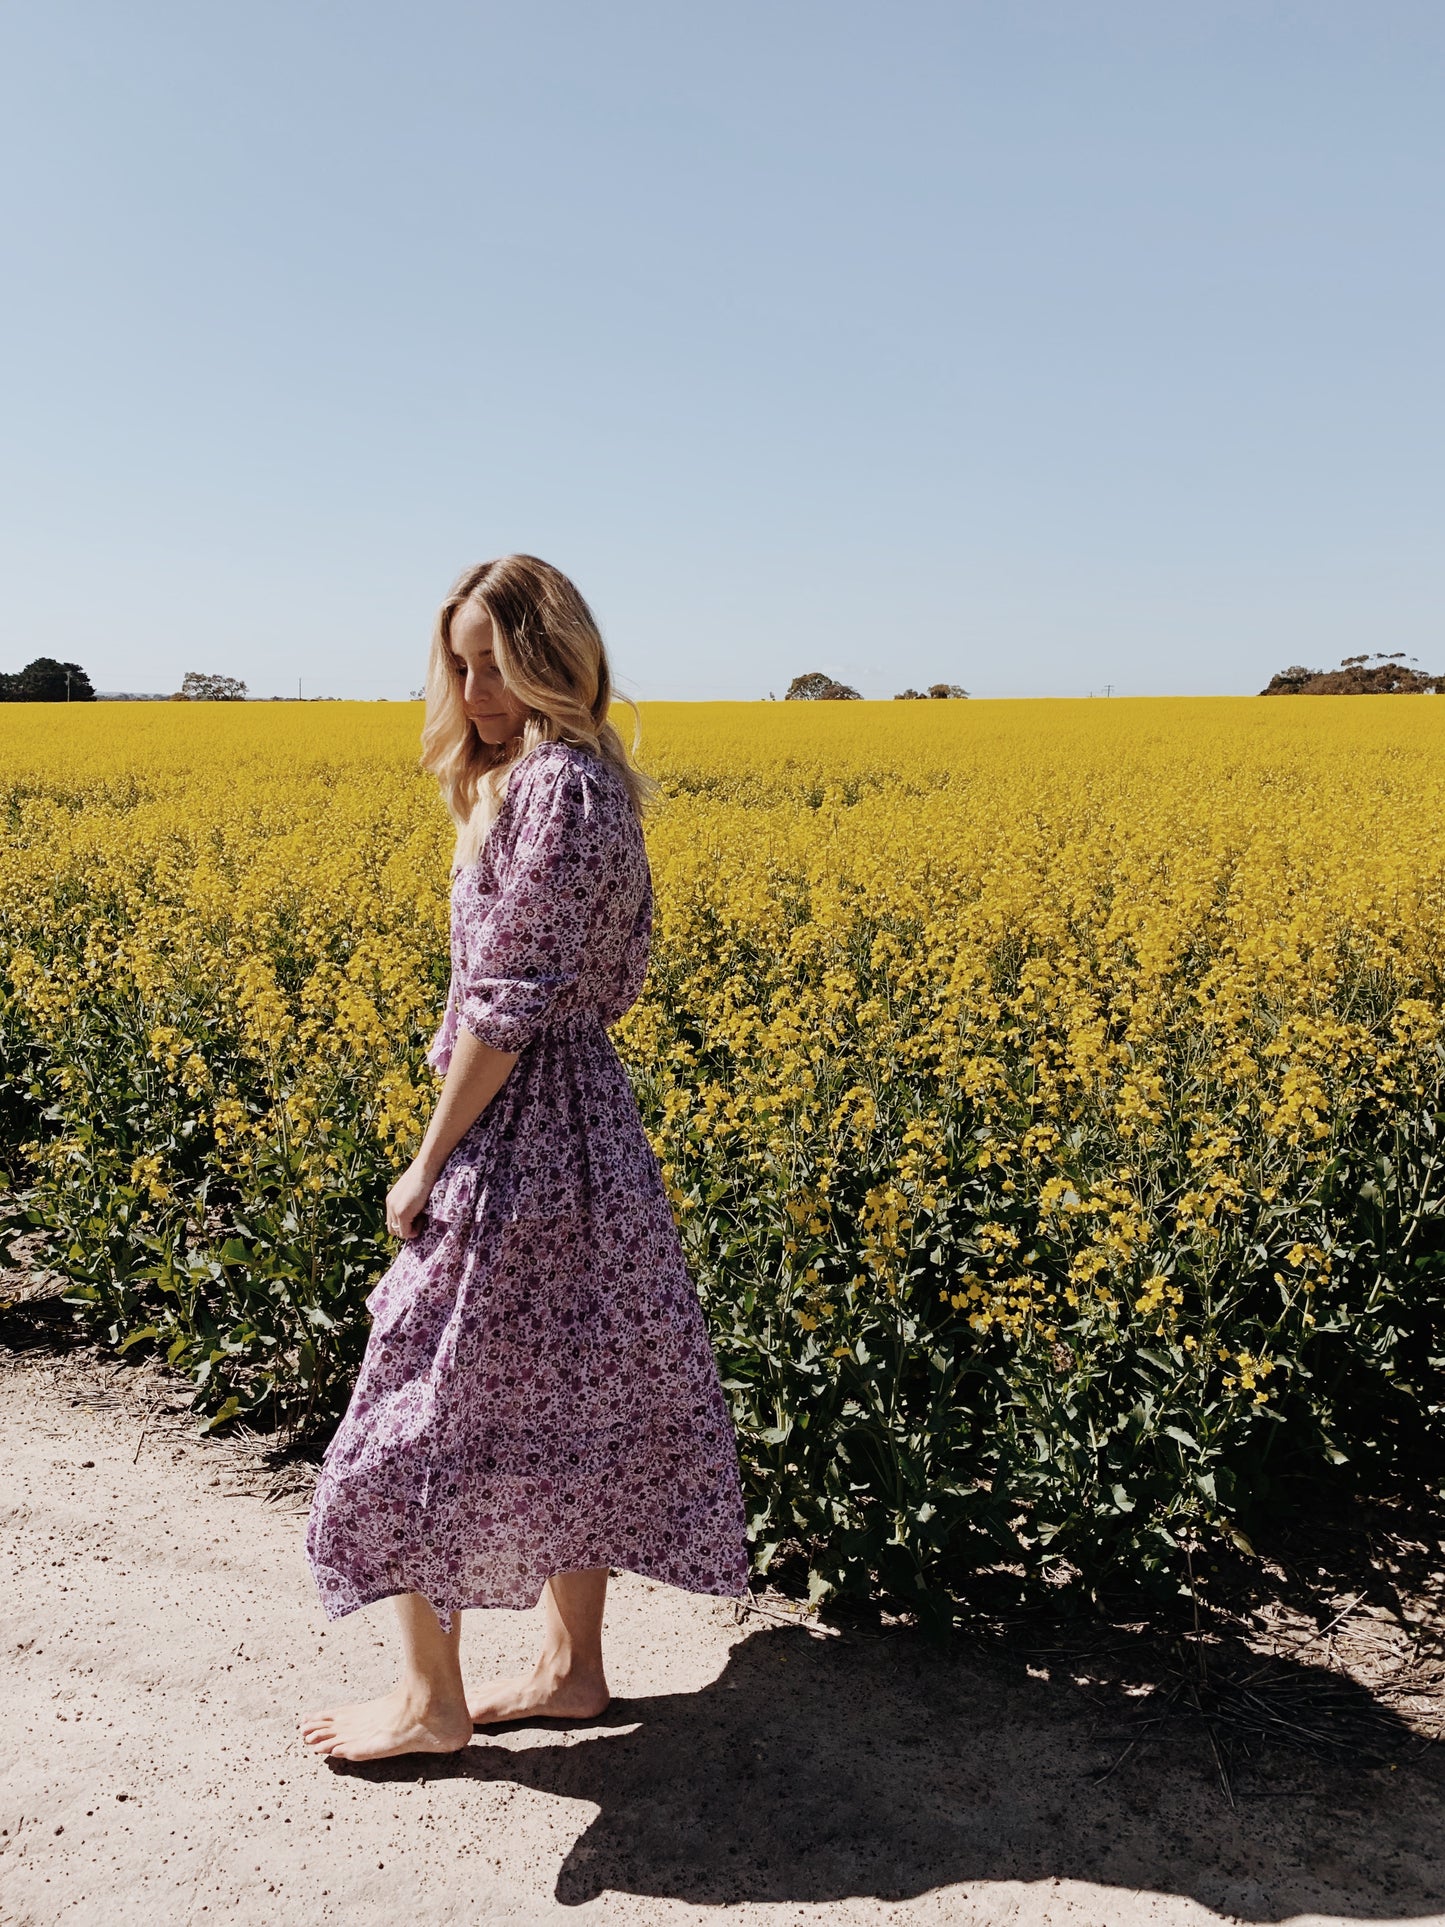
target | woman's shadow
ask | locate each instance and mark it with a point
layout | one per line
(817, 1769)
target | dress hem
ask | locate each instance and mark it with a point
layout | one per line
(744, 1591)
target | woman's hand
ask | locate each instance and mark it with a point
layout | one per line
(406, 1200)
(476, 1073)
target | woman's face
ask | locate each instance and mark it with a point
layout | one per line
(495, 713)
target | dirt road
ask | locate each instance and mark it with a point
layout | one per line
(163, 1638)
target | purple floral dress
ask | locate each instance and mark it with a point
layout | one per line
(538, 1393)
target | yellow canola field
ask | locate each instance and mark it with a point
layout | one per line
(927, 885)
(1032, 1013)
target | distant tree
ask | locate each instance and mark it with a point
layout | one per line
(47, 681)
(815, 687)
(1354, 678)
(1291, 681)
(909, 696)
(179, 697)
(212, 689)
(946, 689)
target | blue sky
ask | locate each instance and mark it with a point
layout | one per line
(1036, 346)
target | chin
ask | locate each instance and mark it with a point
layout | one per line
(496, 735)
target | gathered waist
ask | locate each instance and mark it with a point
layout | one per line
(575, 1020)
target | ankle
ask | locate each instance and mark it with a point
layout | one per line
(423, 1696)
(564, 1667)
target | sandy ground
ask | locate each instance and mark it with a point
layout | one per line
(163, 1638)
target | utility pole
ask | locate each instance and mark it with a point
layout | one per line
(298, 689)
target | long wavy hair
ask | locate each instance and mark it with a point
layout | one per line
(552, 657)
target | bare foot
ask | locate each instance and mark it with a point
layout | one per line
(376, 1729)
(541, 1694)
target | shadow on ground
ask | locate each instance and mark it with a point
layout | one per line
(818, 1769)
(40, 1322)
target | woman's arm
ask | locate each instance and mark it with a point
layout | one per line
(526, 953)
(474, 1076)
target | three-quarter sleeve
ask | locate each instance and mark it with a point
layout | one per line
(528, 950)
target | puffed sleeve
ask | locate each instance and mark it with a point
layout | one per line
(529, 948)
(439, 1051)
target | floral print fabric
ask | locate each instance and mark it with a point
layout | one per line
(538, 1393)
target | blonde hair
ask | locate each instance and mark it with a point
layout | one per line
(546, 642)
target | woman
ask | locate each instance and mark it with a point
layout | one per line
(538, 1401)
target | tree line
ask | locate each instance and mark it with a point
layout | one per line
(815, 687)
(47, 681)
(1380, 675)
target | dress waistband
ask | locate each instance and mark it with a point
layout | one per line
(576, 1020)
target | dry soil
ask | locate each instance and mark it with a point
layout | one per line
(163, 1639)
